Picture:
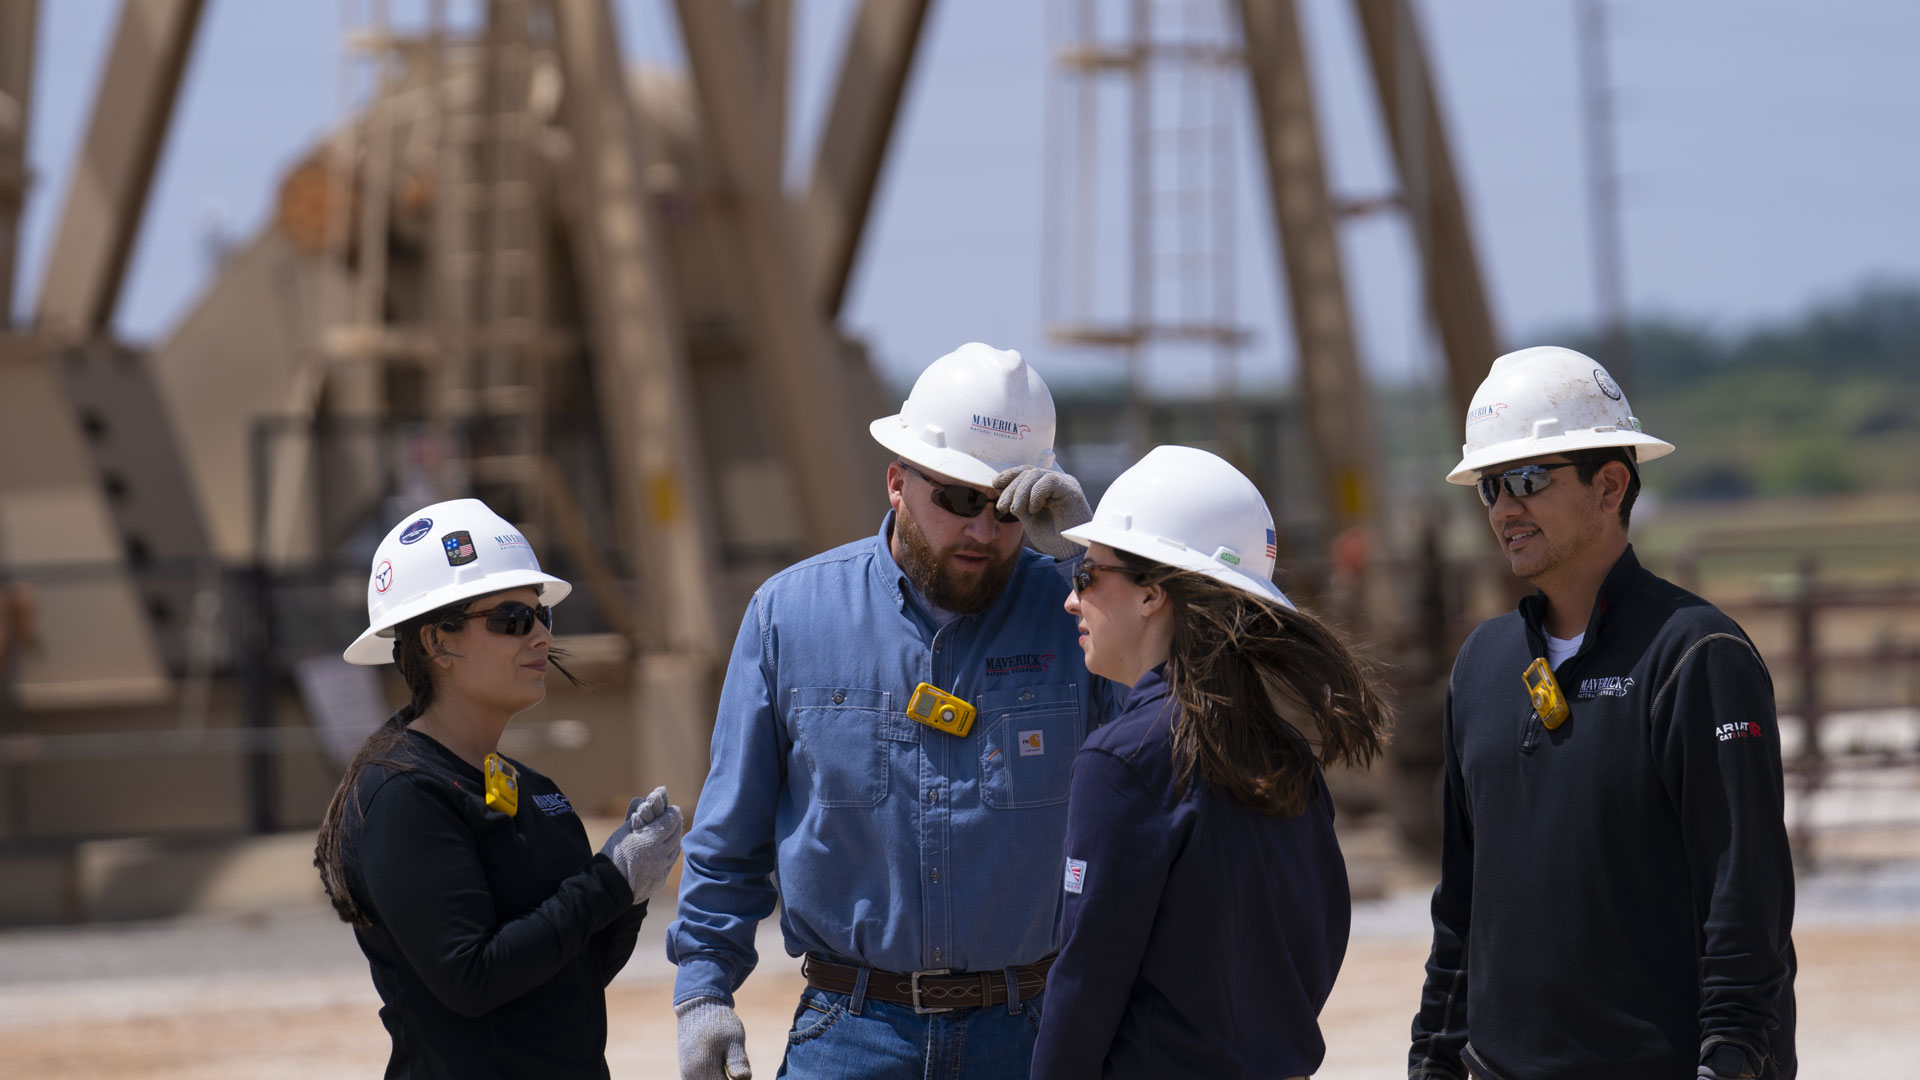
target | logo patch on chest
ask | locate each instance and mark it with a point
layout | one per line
(1605, 686)
(1076, 875)
(1033, 743)
(553, 805)
(1019, 663)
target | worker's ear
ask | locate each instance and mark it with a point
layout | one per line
(1153, 600)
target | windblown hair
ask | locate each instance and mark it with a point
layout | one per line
(416, 667)
(1266, 693)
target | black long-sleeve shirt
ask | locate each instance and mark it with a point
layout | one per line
(1618, 892)
(493, 937)
(1199, 937)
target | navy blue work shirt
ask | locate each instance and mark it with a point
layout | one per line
(1200, 937)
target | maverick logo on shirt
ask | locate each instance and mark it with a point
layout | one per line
(1605, 686)
(553, 805)
(1019, 662)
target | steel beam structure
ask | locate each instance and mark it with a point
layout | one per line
(646, 401)
(1334, 397)
(793, 344)
(17, 39)
(853, 144)
(132, 111)
(1455, 291)
(771, 22)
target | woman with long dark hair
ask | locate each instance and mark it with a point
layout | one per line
(490, 924)
(1205, 907)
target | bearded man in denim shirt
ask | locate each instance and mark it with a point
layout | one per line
(918, 860)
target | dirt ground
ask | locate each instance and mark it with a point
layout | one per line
(1857, 990)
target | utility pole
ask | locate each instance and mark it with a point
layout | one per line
(1603, 190)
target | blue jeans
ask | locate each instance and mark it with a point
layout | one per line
(836, 1038)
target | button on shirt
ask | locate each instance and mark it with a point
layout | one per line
(896, 845)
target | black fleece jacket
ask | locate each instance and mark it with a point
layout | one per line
(1616, 895)
(493, 937)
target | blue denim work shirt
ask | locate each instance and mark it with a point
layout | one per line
(895, 845)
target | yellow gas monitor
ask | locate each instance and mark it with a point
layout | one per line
(938, 709)
(503, 785)
(1548, 701)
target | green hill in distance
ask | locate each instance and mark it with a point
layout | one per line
(1824, 404)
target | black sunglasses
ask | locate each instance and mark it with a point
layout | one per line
(1520, 483)
(959, 499)
(509, 617)
(1083, 577)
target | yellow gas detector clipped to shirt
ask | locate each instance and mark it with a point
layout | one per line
(1548, 701)
(940, 710)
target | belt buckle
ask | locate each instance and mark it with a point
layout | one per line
(914, 981)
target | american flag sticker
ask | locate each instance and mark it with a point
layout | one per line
(1273, 545)
(1076, 875)
(459, 547)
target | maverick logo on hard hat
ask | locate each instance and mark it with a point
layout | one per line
(1006, 429)
(417, 530)
(1483, 413)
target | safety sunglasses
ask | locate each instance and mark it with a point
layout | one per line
(1520, 483)
(1083, 577)
(959, 499)
(510, 617)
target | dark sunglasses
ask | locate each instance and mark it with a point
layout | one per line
(959, 499)
(509, 617)
(1520, 483)
(1083, 577)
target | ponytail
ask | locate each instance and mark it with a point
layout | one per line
(410, 654)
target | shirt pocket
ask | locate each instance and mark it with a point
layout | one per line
(1026, 755)
(842, 733)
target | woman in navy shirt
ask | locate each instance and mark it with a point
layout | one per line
(1206, 907)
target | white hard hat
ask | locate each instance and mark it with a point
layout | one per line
(973, 413)
(1547, 400)
(439, 555)
(1190, 509)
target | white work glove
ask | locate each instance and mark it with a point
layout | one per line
(713, 1042)
(1047, 503)
(647, 844)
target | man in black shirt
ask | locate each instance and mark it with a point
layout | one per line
(1616, 889)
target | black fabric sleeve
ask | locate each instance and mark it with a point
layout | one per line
(421, 870)
(615, 941)
(1116, 827)
(1713, 726)
(1440, 1027)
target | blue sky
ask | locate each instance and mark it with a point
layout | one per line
(1765, 153)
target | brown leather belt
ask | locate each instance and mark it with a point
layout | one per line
(928, 991)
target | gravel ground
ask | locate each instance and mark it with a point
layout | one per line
(286, 995)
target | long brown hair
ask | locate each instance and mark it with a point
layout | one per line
(416, 667)
(1248, 675)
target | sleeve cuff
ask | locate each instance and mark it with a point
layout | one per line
(701, 976)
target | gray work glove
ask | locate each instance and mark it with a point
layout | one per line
(647, 844)
(713, 1042)
(1048, 503)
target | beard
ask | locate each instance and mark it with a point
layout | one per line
(944, 585)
